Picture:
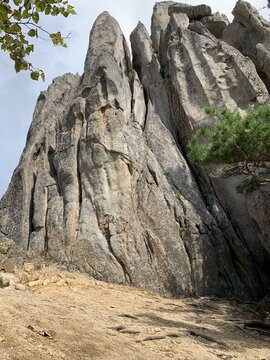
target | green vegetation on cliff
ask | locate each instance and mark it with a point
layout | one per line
(239, 145)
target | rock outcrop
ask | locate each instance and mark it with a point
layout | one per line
(250, 33)
(199, 70)
(104, 182)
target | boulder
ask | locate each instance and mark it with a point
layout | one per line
(215, 23)
(250, 34)
(162, 13)
(7, 279)
(8, 265)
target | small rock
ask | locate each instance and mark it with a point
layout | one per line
(7, 279)
(28, 267)
(5, 245)
(46, 282)
(20, 287)
(8, 265)
(35, 283)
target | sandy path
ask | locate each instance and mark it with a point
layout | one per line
(69, 316)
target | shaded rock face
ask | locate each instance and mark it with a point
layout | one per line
(103, 182)
(258, 208)
(250, 33)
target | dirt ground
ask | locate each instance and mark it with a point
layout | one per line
(61, 315)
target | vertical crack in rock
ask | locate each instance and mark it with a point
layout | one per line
(46, 237)
(52, 168)
(79, 174)
(149, 246)
(121, 263)
(31, 211)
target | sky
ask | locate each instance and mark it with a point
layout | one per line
(18, 93)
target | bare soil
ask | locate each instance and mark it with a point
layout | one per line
(63, 315)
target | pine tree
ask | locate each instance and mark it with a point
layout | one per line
(238, 145)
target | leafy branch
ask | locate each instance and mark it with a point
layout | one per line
(19, 22)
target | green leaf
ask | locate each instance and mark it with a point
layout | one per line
(35, 17)
(17, 66)
(12, 56)
(15, 28)
(17, 16)
(57, 38)
(29, 49)
(24, 65)
(17, 2)
(26, 14)
(34, 75)
(4, 9)
(48, 9)
(32, 33)
(71, 10)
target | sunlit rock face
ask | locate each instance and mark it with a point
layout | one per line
(250, 33)
(104, 183)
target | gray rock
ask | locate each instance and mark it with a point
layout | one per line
(8, 265)
(250, 33)
(20, 287)
(17, 207)
(7, 279)
(215, 23)
(159, 22)
(196, 12)
(258, 207)
(179, 20)
(164, 10)
(6, 244)
(202, 71)
(28, 267)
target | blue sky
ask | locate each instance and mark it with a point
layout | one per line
(18, 93)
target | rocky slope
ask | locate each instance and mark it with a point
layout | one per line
(104, 182)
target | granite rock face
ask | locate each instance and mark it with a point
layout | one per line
(199, 70)
(250, 33)
(104, 182)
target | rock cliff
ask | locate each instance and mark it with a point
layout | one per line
(104, 182)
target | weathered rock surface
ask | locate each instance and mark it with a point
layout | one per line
(250, 33)
(199, 71)
(103, 182)
(7, 279)
(215, 23)
(258, 208)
